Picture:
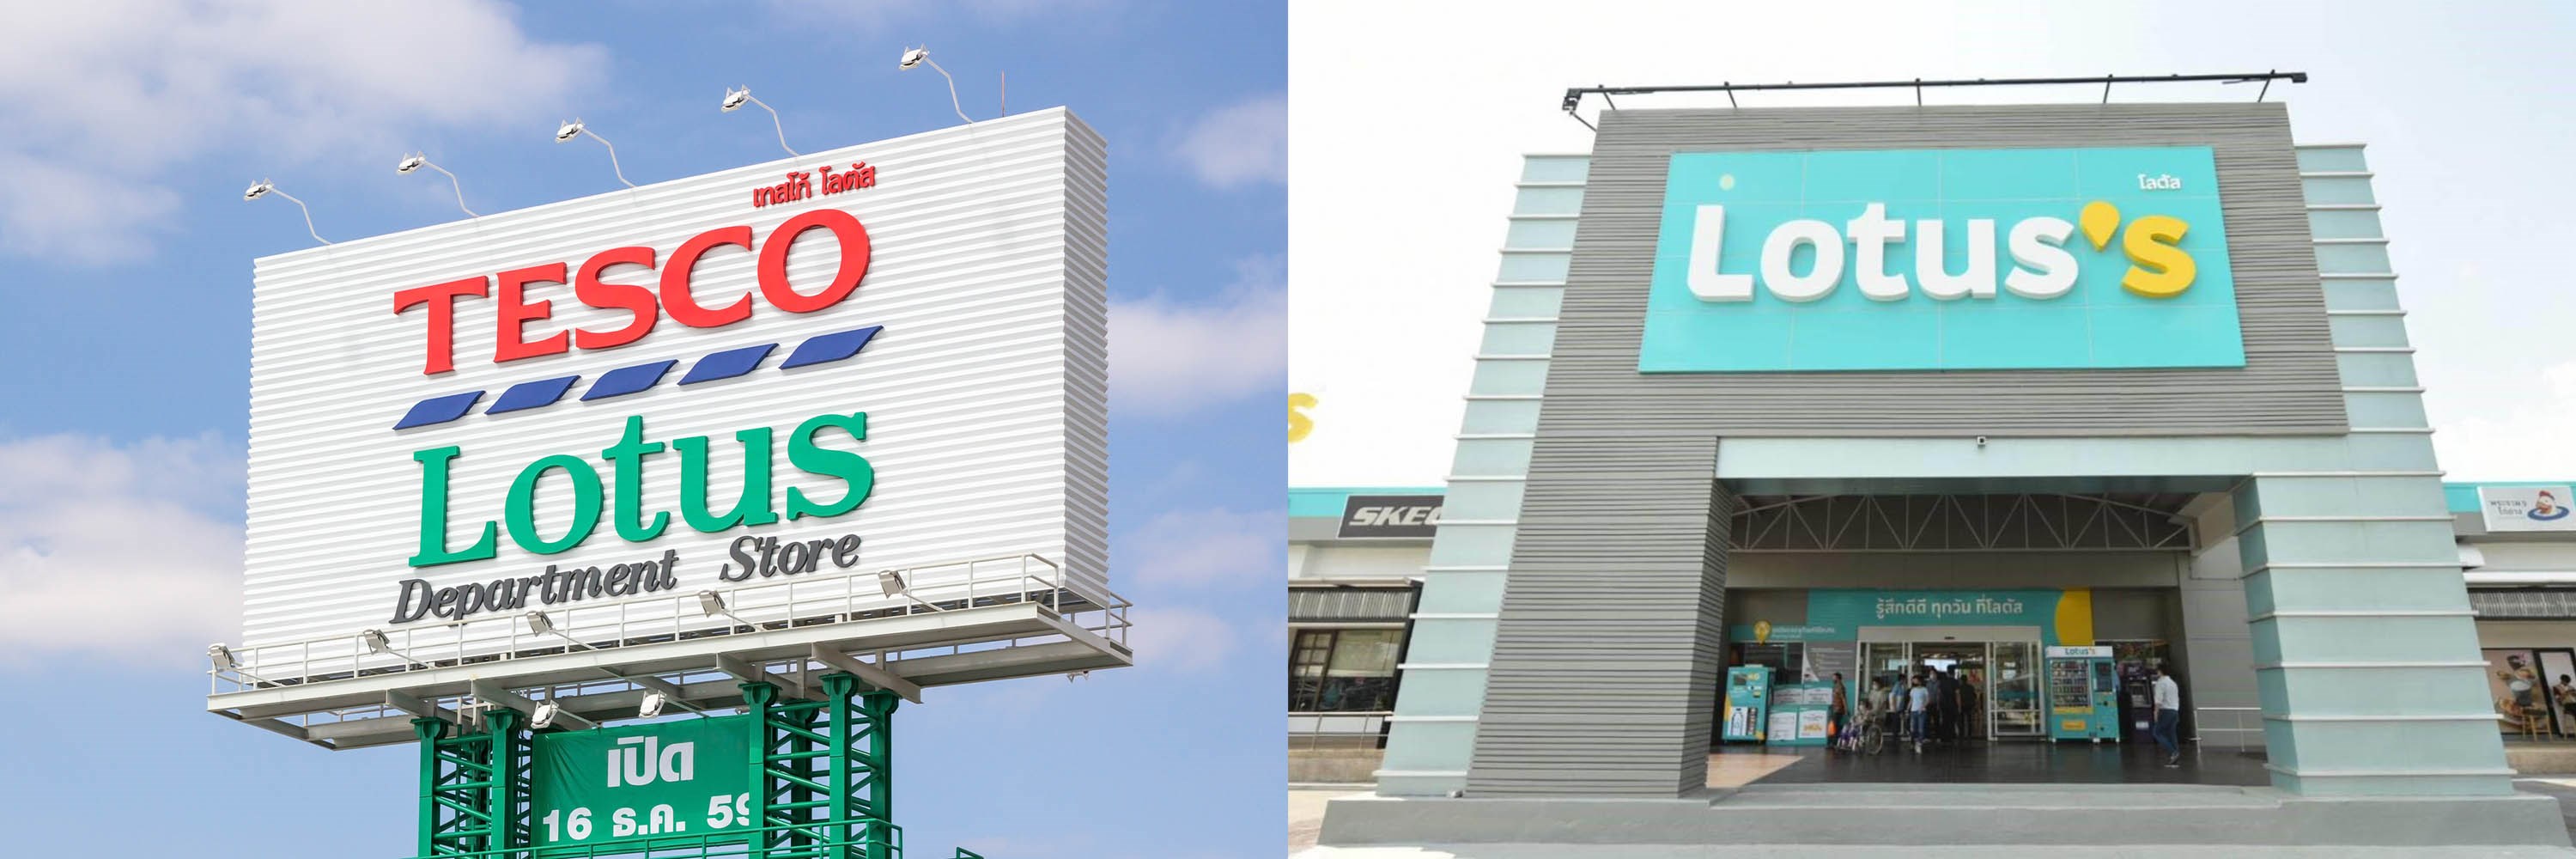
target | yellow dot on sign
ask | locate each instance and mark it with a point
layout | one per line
(2099, 220)
(1726, 182)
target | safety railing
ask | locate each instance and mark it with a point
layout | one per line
(2228, 727)
(744, 610)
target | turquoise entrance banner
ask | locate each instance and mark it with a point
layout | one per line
(1838, 614)
(683, 778)
(1941, 259)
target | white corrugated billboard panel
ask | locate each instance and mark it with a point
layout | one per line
(983, 387)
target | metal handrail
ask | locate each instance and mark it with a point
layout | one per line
(2200, 722)
(660, 619)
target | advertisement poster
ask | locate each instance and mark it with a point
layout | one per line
(1814, 725)
(2526, 508)
(1799, 713)
(2534, 685)
(2558, 667)
(2514, 684)
(1784, 727)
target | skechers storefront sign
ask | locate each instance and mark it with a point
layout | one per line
(1941, 259)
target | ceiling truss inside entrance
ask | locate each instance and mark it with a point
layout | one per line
(1962, 523)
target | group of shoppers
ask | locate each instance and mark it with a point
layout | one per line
(1936, 705)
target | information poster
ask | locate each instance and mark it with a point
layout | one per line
(1800, 714)
(1825, 658)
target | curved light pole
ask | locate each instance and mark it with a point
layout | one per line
(264, 188)
(418, 160)
(574, 129)
(734, 98)
(916, 57)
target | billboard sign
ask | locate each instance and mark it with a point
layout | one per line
(889, 356)
(688, 778)
(1404, 516)
(1941, 259)
(2526, 508)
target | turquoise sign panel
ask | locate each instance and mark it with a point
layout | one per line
(1838, 614)
(1941, 259)
(684, 782)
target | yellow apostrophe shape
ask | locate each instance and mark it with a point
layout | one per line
(1299, 425)
(2099, 220)
(2161, 269)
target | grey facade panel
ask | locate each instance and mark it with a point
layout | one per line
(2289, 384)
(1610, 628)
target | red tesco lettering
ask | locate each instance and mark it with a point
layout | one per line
(645, 306)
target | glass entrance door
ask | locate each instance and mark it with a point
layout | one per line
(2015, 690)
(1965, 662)
(2002, 680)
(1889, 662)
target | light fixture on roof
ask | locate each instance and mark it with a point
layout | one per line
(545, 714)
(222, 657)
(711, 604)
(541, 624)
(263, 188)
(419, 160)
(735, 98)
(891, 582)
(575, 128)
(917, 57)
(652, 705)
(377, 643)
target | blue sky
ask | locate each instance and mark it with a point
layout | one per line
(124, 264)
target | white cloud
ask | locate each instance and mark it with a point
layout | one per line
(2516, 439)
(1179, 640)
(108, 549)
(1239, 144)
(1201, 547)
(98, 97)
(1167, 358)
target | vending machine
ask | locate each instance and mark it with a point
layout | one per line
(2083, 694)
(1748, 702)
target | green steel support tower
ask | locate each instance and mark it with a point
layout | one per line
(824, 773)
(473, 786)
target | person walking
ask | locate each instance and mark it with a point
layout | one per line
(1837, 713)
(2565, 694)
(1918, 707)
(1947, 699)
(2168, 715)
(1873, 711)
(1972, 714)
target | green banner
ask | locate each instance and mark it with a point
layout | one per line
(685, 779)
